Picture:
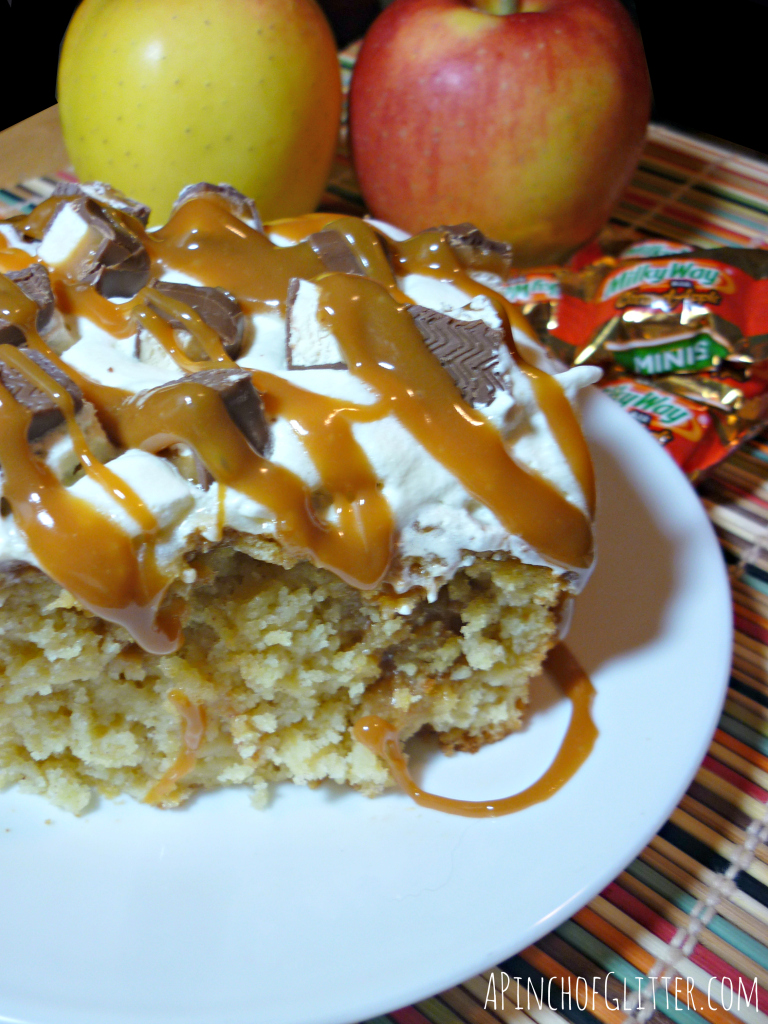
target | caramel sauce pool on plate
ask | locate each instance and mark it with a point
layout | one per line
(382, 739)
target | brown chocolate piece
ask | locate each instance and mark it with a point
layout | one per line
(242, 401)
(476, 250)
(217, 308)
(241, 205)
(11, 333)
(36, 285)
(467, 349)
(335, 252)
(45, 413)
(119, 265)
(106, 194)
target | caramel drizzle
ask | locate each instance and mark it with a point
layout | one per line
(102, 474)
(34, 223)
(164, 333)
(430, 254)
(205, 240)
(16, 307)
(384, 347)
(221, 516)
(193, 720)
(101, 396)
(296, 229)
(75, 544)
(370, 250)
(381, 345)
(565, 427)
(363, 531)
(14, 259)
(115, 318)
(383, 740)
(78, 546)
(356, 548)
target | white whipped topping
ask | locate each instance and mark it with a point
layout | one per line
(438, 522)
(13, 239)
(155, 482)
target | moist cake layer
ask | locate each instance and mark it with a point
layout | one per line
(277, 664)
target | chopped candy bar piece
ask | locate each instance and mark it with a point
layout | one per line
(240, 205)
(468, 350)
(104, 193)
(310, 344)
(217, 308)
(335, 252)
(36, 285)
(242, 400)
(45, 413)
(90, 246)
(474, 248)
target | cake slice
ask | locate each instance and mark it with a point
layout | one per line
(261, 482)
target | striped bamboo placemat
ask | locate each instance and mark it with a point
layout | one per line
(688, 919)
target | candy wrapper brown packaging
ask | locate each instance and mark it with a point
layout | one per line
(681, 335)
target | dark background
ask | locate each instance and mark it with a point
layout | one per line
(707, 60)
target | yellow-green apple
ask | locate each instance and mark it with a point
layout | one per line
(156, 94)
(528, 123)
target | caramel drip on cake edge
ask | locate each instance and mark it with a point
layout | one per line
(382, 739)
(77, 545)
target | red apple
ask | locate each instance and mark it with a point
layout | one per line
(528, 123)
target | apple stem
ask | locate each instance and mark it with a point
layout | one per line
(496, 6)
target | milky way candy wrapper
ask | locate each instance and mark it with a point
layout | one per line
(692, 326)
(697, 435)
(612, 246)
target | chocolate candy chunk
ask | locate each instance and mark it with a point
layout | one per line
(242, 400)
(467, 349)
(36, 285)
(45, 413)
(220, 310)
(11, 308)
(476, 250)
(240, 205)
(335, 252)
(104, 193)
(92, 245)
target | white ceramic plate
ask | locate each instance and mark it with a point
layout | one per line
(329, 907)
